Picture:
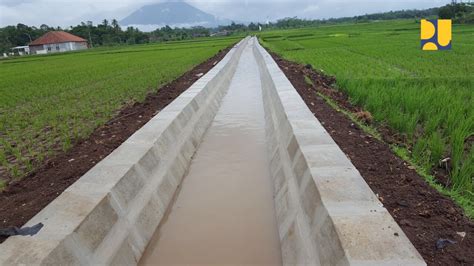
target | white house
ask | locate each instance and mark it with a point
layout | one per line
(56, 42)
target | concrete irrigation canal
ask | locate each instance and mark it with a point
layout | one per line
(237, 171)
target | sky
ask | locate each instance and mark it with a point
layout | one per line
(65, 13)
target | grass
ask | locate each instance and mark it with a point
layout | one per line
(428, 97)
(367, 128)
(49, 102)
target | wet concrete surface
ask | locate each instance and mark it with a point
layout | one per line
(224, 212)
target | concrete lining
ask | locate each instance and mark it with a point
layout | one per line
(224, 212)
(326, 213)
(109, 215)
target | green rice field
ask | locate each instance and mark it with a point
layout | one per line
(48, 102)
(426, 96)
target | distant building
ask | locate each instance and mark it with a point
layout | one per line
(221, 33)
(20, 50)
(56, 42)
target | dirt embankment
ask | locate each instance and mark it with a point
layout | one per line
(428, 218)
(25, 198)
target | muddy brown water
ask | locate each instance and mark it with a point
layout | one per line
(224, 212)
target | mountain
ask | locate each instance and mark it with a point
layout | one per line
(174, 14)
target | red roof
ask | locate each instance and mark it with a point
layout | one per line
(57, 37)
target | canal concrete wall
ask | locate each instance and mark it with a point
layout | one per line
(109, 215)
(326, 213)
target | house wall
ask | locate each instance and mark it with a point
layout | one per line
(78, 45)
(58, 47)
(35, 48)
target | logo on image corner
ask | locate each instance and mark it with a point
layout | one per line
(436, 34)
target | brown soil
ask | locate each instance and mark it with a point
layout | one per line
(25, 198)
(425, 215)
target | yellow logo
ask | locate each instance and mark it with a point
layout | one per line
(436, 34)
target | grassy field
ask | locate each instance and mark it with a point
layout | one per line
(428, 97)
(48, 102)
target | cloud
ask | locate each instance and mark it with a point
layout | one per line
(71, 12)
(311, 8)
(262, 10)
(15, 2)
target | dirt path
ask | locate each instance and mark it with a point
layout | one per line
(23, 199)
(425, 215)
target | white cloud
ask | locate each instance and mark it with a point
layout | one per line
(311, 8)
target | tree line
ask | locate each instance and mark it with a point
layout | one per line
(110, 33)
(102, 34)
(458, 12)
